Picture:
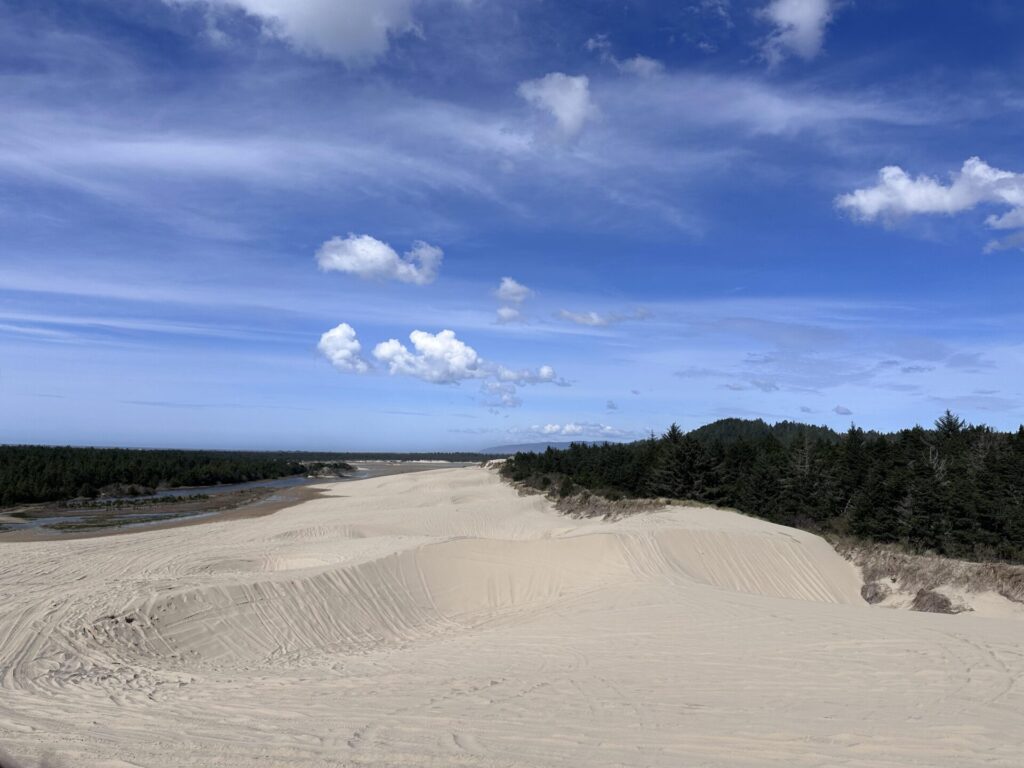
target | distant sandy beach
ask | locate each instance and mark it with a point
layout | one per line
(439, 618)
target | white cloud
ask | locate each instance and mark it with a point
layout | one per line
(799, 27)
(565, 97)
(641, 66)
(976, 183)
(1005, 244)
(575, 429)
(504, 383)
(543, 375)
(585, 318)
(597, 319)
(369, 258)
(438, 358)
(509, 315)
(601, 44)
(342, 348)
(353, 31)
(500, 395)
(512, 291)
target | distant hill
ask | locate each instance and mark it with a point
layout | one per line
(729, 431)
(507, 450)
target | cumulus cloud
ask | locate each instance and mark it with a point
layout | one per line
(342, 348)
(443, 358)
(799, 28)
(977, 183)
(439, 358)
(369, 258)
(356, 32)
(565, 97)
(842, 410)
(512, 291)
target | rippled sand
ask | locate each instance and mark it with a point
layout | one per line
(438, 619)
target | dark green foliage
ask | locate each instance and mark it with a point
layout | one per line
(787, 432)
(31, 473)
(957, 489)
(40, 473)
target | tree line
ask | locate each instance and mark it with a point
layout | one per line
(955, 489)
(35, 473)
(31, 473)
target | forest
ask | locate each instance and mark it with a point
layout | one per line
(954, 489)
(30, 473)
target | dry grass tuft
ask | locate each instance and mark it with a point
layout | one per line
(875, 592)
(580, 505)
(914, 573)
(933, 602)
(585, 504)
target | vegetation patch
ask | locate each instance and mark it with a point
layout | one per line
(928, 601)
(912, 573)
(875, 592)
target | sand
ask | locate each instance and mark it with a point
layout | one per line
(439, 619)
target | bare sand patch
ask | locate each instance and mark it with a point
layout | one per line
(439, 618)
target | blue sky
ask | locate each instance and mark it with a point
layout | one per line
(425, 224)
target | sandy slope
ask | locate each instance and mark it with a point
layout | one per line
(439, 619)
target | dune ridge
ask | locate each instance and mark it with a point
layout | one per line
(440, 618)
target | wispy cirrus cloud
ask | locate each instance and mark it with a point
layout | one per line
(356, 32)
(575, 429)
(599, 319)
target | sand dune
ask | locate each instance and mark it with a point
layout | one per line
(439, 619)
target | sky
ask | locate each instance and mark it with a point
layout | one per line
(451, 224)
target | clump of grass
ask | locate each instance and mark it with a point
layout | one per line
(571, 501)
(914, 573)
(586, 504)
(875, 592)
(933, 602)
